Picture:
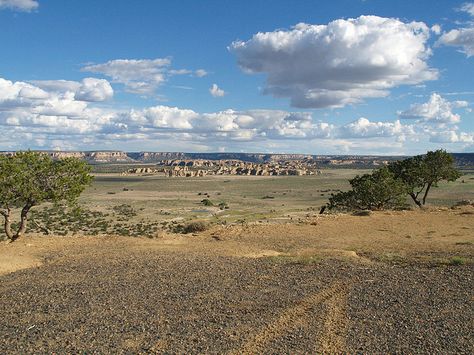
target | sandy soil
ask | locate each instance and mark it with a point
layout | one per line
(428, 235)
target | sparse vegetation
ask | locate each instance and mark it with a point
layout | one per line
(161, 204)
(61, 220)
(125, 211)
(64, 220)
(464, 203)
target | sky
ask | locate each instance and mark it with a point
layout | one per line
(377, 77)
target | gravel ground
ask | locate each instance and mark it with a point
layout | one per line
(173, 302)
(412, 310)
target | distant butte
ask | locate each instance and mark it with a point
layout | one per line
(104, 157)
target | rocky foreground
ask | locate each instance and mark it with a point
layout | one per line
(111, 298)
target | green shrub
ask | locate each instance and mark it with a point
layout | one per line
(223, 206)
(457, 260)
(376, 191)
(207, 202)
(194, 227)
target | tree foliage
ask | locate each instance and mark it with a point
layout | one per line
(422, 172)
(28, 179)
(387, 187)
(376, 191)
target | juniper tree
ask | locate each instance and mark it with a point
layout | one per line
(28, 179)
(387, 187)
(422, 172)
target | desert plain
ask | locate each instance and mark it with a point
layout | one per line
(267, 274)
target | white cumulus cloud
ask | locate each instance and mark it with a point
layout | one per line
(49, 115)
(169, 117)
(340, 63)
(19, 92)
(436, 110)
(436, 29)
(364, 128)
(451, 136)
(54, 106)
(89, 89)
(200, 73)
(19, 5)
(140, 76)
(216, 91)
(92, 89)
(468, 7)
(463, 37)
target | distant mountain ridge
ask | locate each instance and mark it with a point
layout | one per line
(151, 157)
(103, 156)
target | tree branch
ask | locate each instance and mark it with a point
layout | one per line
(42, 227)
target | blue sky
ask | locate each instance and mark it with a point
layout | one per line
(320, 77)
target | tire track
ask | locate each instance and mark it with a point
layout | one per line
(333, 338)
(334, 320)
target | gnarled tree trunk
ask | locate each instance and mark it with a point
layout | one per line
(23, 221)
(426, 193)
(8, 223)
(6, 213)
